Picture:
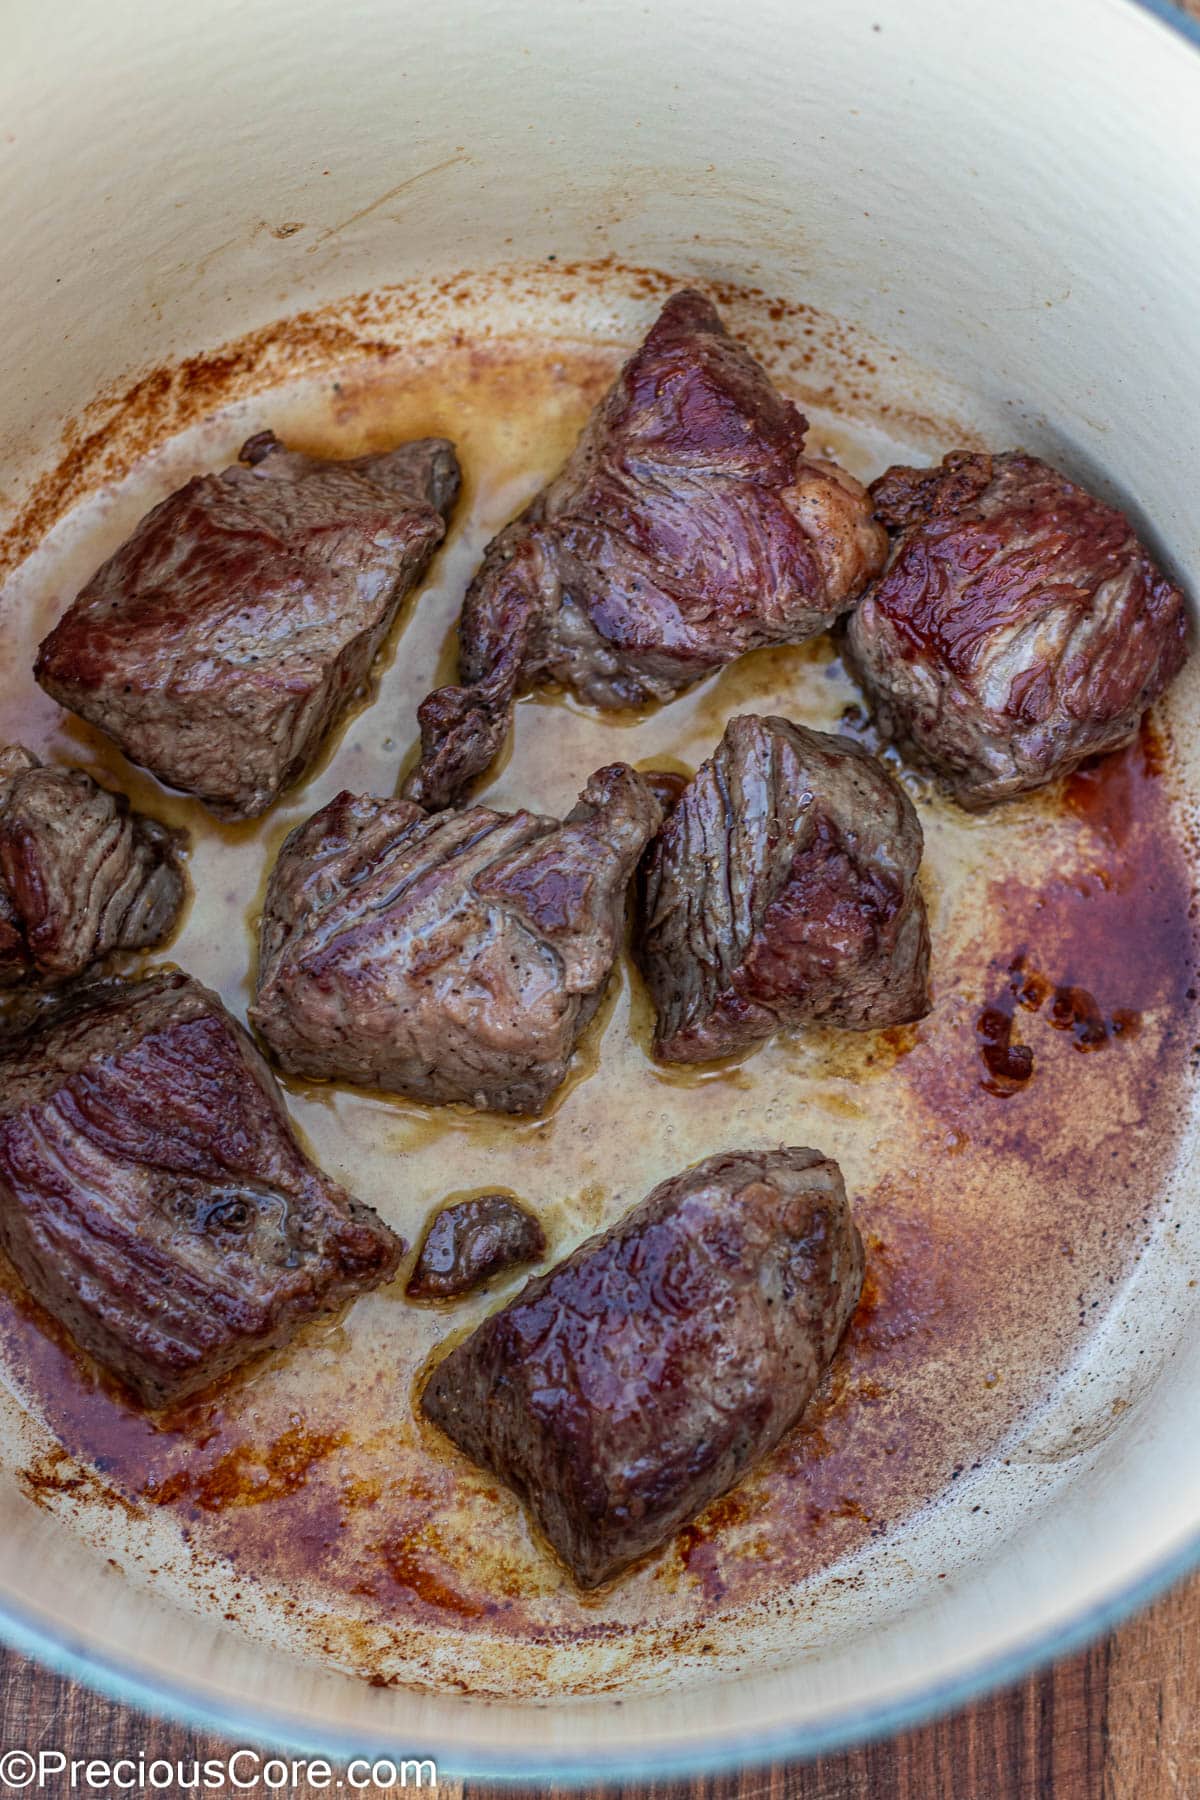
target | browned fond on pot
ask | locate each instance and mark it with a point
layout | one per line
(999, 1214)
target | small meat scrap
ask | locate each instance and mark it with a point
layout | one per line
(224, 640)
(1020, 625)
(623, 1391)
(469, 1242)
(449, 957)
(153, 1195)
(689, 526)
(782, 890)
(81, 875)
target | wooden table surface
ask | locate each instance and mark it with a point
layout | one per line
(1119, 1722)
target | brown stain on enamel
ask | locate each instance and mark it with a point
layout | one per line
(996, 1226)
(131, 417)
(410, 1576)
(247, 1475)
(54, 1477)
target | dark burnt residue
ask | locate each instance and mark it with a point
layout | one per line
(1073, 1009)
(53, 1478)
(1008, 1065)
(1104, 945)
(247, 1475)
(410, 1569)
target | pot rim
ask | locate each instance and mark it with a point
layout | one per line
(794, 1743)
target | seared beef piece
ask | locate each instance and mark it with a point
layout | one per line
(687, 528)
(1019, 628)
(226, 637)
(641, 1378)
(471, 1241)
(782, 890)
(448, 957)
(153, 1195)
(80, 874)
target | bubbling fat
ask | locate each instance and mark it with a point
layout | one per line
(999, 1216)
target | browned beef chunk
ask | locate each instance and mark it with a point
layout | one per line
(471, 1241)
(1019, 628)
(448, 957)
(782, 890)
(226, 637)
(688, 527)
(153, 1195)
(80, 874)
(641, 1378)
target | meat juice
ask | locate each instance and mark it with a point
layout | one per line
(998, 1224)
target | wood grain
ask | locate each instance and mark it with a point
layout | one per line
(1119, 1722)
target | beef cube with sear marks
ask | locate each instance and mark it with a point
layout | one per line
(623, 1391)
(1019, 628)
(469, 1242)
(688, 527)
(153, 1195)
(81, 876)
(782, 890)
(223, 641)
(449, 957)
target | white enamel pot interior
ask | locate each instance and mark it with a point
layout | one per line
(1009, 197)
